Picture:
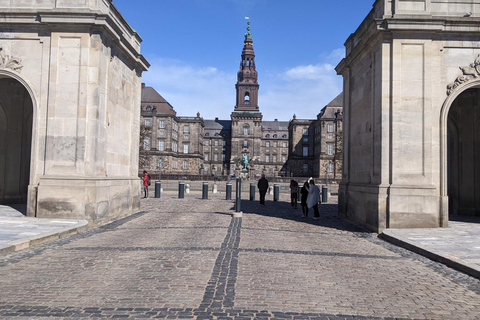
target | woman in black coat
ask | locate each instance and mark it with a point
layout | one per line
(304, 193)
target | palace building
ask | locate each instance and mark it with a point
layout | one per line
(245, 145)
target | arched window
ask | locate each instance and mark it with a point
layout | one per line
(149, 108)
(245, 130)
(284, 136)
(247, 98)
(207, 134)
(267, 136)
(274, 135)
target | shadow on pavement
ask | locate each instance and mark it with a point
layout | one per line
(283, 210)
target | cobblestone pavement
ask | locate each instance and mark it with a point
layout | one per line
(189, 259)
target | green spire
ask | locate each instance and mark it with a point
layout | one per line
(248, 35)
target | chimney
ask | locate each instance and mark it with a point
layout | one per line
(276, 120)
(216, 119)
(143, 85)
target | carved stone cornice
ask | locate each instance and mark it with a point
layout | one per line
(469, 73)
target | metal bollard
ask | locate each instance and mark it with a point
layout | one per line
(205, 191)
(158, 188)
(276, 192)
(228, 192)
(252, 191)
(238, 199)
(181, 190)
(325, 194)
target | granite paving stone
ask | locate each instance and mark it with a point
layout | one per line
(190, 259)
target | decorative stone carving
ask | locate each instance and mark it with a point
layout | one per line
(469, 72)
(9, 62)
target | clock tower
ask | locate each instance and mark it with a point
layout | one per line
(246, 117)
(247, 85)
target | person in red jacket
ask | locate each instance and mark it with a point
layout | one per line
(146, 183)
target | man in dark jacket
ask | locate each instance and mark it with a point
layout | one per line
(262, 187)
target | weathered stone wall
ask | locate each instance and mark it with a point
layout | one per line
(85, 90)
(400, 77)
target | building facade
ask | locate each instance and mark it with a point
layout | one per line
(411, 82)
(246, 145)
(71, 149)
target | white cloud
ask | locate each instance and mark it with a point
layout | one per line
(191, 89)
(302, 90)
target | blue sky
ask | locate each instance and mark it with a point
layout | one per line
(194, 48)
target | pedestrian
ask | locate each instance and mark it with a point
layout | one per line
(313, 198)
(293, 193)
(146, 183)
(262, 188)
(304, 194)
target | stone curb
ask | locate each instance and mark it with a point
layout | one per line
(60, 233)
(450, 261)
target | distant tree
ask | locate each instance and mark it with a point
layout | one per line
(145, 157)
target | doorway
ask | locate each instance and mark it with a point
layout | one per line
(16, 120)
(463, 158)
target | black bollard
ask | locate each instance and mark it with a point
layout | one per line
(276, 192)
(158, 189)
(181, 190)
(238, 199)
(205, 191)
(252, 191)
(229, 192)
(324, 194)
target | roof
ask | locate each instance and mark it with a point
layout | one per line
(218, 124)
(275, 125)
(333, 107)
(151, 95)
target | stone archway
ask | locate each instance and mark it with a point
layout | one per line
(463, 154)
(16, 121)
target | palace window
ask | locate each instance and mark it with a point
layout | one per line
(305, 168)
(267, 158)
(305, 132)
(186, 129)
(207, 142)
(330, 127)
(161, 124)
(161, 133)
(267, 144)
(207, 134)
(274, 158)
(215, 157)
(160, 163)
(330, 167)
(174, 146)
(146, 143)
(174, 165)
(216, 142)
(245, 143)
(284, 144)
(330, 149)
(148, 122)
(161, 145)
(206, 156)
(185, 148)
(185, 164)
(245, 130)
(274, 144)
(305, 151)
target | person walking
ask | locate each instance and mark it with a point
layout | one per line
(146, 183)
(304, 195)
(313, 198)
(262, 188)
(293, 193)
